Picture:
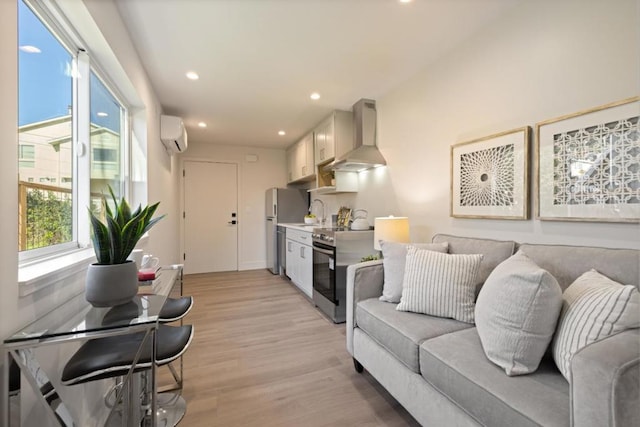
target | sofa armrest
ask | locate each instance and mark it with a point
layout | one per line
(605, 386)
(364, 281)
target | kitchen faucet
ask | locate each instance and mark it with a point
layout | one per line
(322, 219)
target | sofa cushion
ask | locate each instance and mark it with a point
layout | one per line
(493, 252)
(594, 308)
(440, 284)
(516, 314)
(455, 364)
(399, 332)
(394, 258)
(567, 263)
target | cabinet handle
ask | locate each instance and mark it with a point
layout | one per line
(304, 170)
(322, 154)
(289, 246)
(302, 252)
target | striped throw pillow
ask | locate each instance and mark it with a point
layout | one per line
(440, 284)
(594, 307)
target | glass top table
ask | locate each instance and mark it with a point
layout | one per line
(77, 316)
(76, 320)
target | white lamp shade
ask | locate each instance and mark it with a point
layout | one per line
(391, 229)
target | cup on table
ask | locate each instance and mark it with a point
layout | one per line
(136, 256)
(149, 261)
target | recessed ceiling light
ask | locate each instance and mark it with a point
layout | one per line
(315, 96)
(102, 114)
(29, 49)
(405, 1)
(202, 124)
(192, 75)
(281, 133)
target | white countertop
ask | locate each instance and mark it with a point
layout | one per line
(299, 226)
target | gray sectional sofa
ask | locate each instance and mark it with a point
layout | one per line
(436, 367)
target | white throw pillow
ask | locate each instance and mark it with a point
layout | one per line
(440, 284)
(516, 314)
(594, 308)
(394, 258)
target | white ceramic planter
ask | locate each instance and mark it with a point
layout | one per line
(110, 285)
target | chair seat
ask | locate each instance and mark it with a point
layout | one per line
(113, 356)
(175, 309)
(14, 377)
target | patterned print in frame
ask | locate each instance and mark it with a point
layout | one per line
(489, 176)
(588, 165)
(486, 177)
(597, 164)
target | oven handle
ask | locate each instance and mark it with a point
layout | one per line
(323, 251)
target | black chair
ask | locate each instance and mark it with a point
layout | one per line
(14, 378)
(171, 405)
(175, 309)
(112, 357)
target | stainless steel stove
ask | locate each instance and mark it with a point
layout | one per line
(334, 249)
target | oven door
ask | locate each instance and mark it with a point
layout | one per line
(324, 271)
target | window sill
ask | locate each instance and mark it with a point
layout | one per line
(37, 275)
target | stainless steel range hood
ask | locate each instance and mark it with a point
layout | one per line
(365, 155)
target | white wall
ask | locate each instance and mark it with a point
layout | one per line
(542, 60)
(162, 169)
(254, 178)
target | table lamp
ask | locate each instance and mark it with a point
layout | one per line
(390, 229)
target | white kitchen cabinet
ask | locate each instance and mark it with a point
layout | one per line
(334, 136)
(305, 273)
(300, 164)
(300, 260)
(324, 145)
(291, 163)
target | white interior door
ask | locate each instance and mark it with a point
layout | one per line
(210, 217)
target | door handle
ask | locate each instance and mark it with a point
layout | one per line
(233, 222)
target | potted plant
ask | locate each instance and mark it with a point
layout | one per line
(113, 279)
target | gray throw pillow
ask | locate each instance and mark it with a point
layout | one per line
(441, 285)
(394, 257)
(594, 308)
(516, 314)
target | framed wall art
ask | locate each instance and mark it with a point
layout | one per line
(588, 165)
(489, 176)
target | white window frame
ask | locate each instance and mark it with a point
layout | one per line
(57, 24)
(65, 38)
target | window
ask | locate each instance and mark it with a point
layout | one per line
(45, 99)
(64, 102)
(107, 128)
(26, 156)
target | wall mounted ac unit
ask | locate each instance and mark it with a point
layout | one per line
(173, 134)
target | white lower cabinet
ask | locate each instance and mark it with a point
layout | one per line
(300, 260)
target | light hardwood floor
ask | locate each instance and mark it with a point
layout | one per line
(264, 356)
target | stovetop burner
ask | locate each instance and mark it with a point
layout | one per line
(334, 229)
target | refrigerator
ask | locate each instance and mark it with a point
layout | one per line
(284, 205)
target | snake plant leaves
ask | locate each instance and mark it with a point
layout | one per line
(114, 241)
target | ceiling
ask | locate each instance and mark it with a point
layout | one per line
(259, 60)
